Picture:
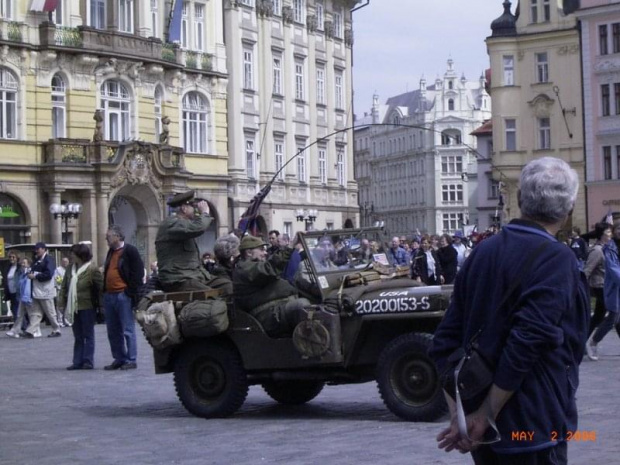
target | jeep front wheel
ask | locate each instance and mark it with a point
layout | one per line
(408, 381)
(293, 392)
(210, 380)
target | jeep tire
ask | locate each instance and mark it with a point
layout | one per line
(293, 392)
(209, 379)
(408, 381)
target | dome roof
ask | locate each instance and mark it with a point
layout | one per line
(506, 24)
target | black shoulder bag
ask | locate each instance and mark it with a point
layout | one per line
(468, 366)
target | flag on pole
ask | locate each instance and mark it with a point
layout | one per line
(247, 222)
(174, 31)
(43, 5)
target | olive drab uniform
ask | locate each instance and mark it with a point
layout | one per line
(260, 290)
(178, 256)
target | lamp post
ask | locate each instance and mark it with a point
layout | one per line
(497, 219)
(64, 211)
(308, 217)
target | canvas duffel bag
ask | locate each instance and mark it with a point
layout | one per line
(204, 318)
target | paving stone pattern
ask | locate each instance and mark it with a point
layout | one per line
(53, 416)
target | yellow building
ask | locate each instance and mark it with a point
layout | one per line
(536, 90)
(97, 108)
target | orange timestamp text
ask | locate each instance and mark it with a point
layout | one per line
(579, 435)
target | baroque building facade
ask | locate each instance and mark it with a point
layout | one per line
(416, 159)
(600, 51)
(536, 89)
(98, 108)
(289, 93)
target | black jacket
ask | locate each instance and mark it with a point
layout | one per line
(419, 267)
(448, 258)
(131, 269)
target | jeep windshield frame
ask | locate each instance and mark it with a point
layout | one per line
(332, 254)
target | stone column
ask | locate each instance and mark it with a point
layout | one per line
(102, 227)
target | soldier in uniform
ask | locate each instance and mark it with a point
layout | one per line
(178, 257)
(260, 290)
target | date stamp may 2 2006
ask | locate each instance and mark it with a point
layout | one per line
(577, 436)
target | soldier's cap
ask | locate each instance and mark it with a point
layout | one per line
(251, 242)
(181, 199)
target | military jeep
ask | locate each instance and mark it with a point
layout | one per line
(369, 321)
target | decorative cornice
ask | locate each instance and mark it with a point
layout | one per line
(541, 104)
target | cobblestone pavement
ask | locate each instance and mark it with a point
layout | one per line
(53, 416)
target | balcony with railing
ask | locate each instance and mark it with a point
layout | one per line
(12, 30)
(109, 42)
(198, 60)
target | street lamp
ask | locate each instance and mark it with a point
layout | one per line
(308, 217)
(64, 211)
(498, 212)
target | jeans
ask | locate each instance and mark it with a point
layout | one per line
(557, 455)
(121, 327)
(610, 320)
(84, 333)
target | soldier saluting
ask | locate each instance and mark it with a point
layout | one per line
(178, 256)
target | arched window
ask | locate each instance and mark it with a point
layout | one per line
(8, 105)
(59, 101)
(158, 99)
(195, 118)
(450, 104)
(13, 221)
(115, 101)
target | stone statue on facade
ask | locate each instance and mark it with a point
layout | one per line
(164, 136)
(98, 134)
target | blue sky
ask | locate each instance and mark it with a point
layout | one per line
(398, 41)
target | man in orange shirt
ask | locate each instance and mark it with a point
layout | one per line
(122, 279)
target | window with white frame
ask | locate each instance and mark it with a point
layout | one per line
(247, 2)
(8, 105)
(199, 26)
(450, 104)
(450, 164)
(323, 165)
(302, 175)
(277, 7)
(115, 103)
(288, 228)
(544, 133)
(277, 75)
(615, 38)
(452, 193)
(607, 162)
(509, 70)
(542, 67)
(510, 128)
(617, 97)
(248, 68)
(320, 85)
(299, 11)
(97, 14)
(250, 157)
(546, 10)
(534, 11)
(493, 188)
(185, 25)
(299, 79)
(339, 89)
(605, 100)
(57, 15)
(451, 222)
(125, 16)
(603, 48)
(340, 166)
(338, 25)
(279, 158)
(59, 102)
(154, 18)
(195, 123)
(320, 15)
(158, 98)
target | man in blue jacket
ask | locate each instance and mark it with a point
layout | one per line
(537, 340)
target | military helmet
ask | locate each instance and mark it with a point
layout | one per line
(251, 242)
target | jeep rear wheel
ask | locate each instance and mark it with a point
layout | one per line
(408, 381)
(210, 380)
(293, 392)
